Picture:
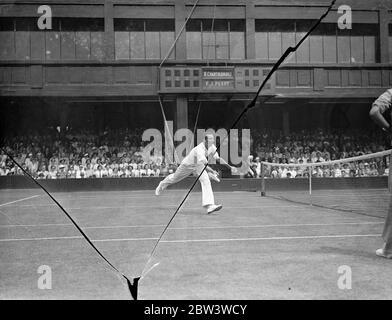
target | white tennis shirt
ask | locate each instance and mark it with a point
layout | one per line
(384, 101)
(199, 154)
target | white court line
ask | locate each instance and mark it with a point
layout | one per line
(200, 240)
(186, 208)
(130, 239)
(40, 239)
(175, 194)
(279, 225)
(75, 238)
(126, 192)
(71, 225)
(95, 207)
(36, 225)
(197, 227)
(24, 199)
(155, 207)
(315, 195)
(273, 238)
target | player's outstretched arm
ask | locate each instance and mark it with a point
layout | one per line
(378, 118)
(223, 162)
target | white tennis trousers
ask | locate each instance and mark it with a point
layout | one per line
(184, 171)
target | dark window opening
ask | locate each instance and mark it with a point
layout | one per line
(85, 24)
(160, 25)
(128, 25)
(237, 25)
(275, 26)
(7, 24)
(193, 25)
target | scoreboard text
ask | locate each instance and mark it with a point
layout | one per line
(214, 79)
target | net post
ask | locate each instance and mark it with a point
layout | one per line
(262, 173)
(390, 174)
(310, 184)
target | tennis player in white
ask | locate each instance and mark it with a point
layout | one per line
(380, 106)
(194, 163)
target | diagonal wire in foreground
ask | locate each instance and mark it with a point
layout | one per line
(131, 286)
(167, 130)
(249, 106)
(179, 34)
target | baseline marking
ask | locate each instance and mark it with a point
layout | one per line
(280, 225)
(24, 199)
(196, 227)
(40, 239)
(155, 207)
(273, 238)
(200, 240)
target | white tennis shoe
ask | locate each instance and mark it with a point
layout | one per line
(382, 253)
(213, 208)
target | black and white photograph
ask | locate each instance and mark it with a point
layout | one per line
(197, 151)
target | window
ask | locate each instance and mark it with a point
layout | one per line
(301, 28)
(7, 40)
(69, 38)
(143, 39)
(329, 44)
(326, 44)
(273, 38)
(215, 39)
(208, 39)
(193, 39)
(237, 39)
(7, 24)
(358, 45)
(82, 38)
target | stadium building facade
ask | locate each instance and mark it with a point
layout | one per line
(100, 63)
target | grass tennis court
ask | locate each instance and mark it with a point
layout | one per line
(255, 248)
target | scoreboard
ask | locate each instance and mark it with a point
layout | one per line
(180, 79)
(218, 79)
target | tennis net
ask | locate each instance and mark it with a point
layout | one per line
(358, 184)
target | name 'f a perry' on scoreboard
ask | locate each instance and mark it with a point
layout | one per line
(240, 79)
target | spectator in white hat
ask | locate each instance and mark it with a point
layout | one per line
(52, 172)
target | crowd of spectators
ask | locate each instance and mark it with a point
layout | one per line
(317, 146)
(112, 154)
(119, 153)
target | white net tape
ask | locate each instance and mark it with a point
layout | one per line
(329, 163)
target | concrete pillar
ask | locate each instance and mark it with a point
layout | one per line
(109, 30)
(384, 19)
(250, 30)
(180, 15)
(181, 119)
